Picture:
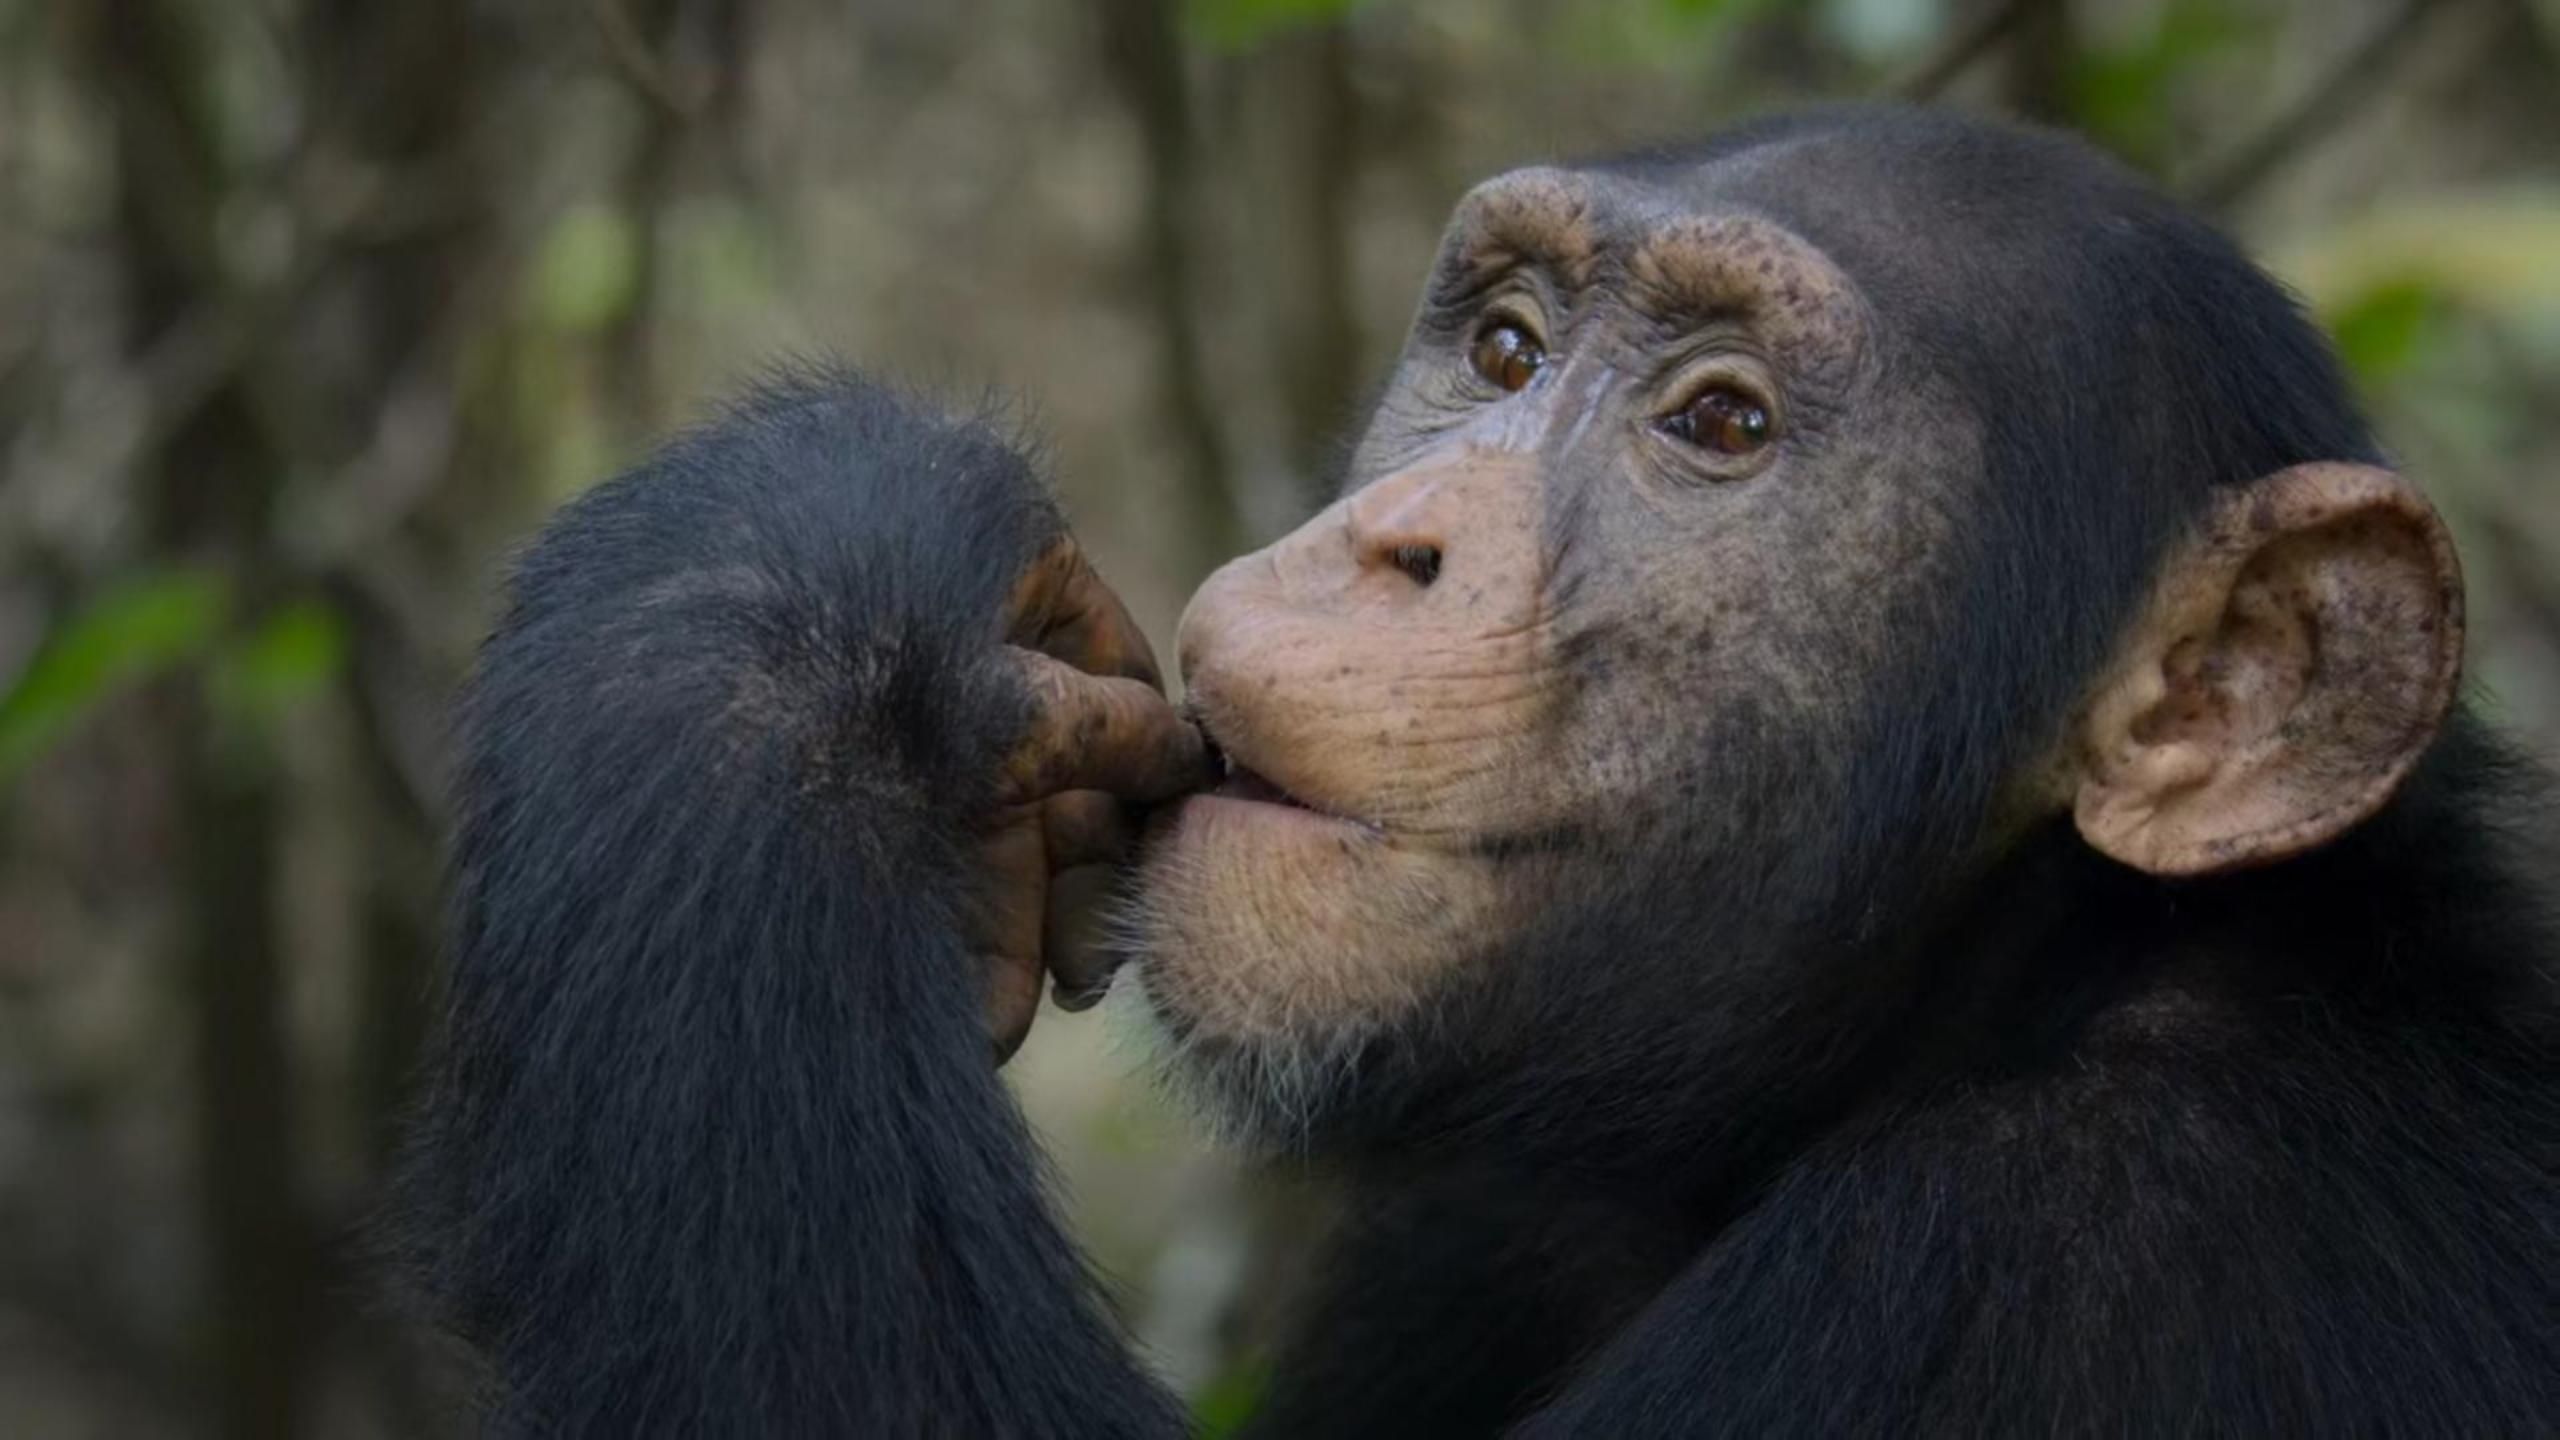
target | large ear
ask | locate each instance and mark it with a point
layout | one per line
(2296, 657)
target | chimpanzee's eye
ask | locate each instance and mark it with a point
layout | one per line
(1506, 355)
(1723, 419)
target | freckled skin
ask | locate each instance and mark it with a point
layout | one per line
(2293, 682)
(1650, 674)
(1369, 697)
(1597, 578)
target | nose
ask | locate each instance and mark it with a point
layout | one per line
(1452, 542)
(1404, 525)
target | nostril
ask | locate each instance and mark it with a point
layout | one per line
(1421, 562)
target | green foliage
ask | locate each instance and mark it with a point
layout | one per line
(1705, 9)
(1229, 1399)
(291, 655)
(1664, 37)
(1241, 24)
(2489, 251)
(2392, 283)
(2381, 331)
(150, 627)
(2123, 95)
(132, 633)
(586, 274)
(1704, 14)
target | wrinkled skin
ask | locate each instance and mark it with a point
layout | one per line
(1612, 608)
(1555, 679)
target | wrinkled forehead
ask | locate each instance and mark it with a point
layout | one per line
(1685, 247)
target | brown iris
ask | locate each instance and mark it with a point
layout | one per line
(1723, 419)
(1506, 355)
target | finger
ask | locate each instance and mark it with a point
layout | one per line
(1095, 633)
(1033, 602)
(1006, 924)
(1092, 732)
(1085, 827)
(1061, 607)
(1013, 1001)
(1071, 940)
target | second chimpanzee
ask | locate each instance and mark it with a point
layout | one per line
(1857, 822)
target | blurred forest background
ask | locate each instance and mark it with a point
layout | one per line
(310, 309)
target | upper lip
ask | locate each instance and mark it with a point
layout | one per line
(1223, 764)
(1227, 762)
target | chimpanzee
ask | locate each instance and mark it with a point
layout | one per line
(1856, 823)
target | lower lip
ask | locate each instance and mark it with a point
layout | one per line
(1208, 811)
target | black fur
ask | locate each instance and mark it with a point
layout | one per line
(715, 1146)
(2055, 1148)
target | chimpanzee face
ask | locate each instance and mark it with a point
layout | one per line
(1663, 509)
(1633, 507)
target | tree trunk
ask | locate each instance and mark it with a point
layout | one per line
(209, 488)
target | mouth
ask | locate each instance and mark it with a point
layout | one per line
(1232, 779)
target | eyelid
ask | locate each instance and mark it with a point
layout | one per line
(1506, 308)
(1697, 374)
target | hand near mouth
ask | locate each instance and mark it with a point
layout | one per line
(1100, 744)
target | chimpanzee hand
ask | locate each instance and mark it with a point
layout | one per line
(1101, 742)
(762, 779)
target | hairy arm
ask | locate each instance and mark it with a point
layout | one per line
(715, 1144)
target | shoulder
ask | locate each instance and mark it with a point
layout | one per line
(2316, 1226)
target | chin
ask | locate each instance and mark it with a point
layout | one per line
(1278, 951)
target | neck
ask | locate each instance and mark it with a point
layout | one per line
(2423, 909)
(1644, 1044)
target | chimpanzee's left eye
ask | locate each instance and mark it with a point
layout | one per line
(1507, 355)
(1723, 418)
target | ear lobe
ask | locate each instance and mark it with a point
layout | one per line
(2296, 658)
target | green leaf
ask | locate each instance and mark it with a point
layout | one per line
(586, 273)
(295, 652)
(1229, 1399)
(1698, 14)
(2381, 331)
(1241, 24)
(2122, 94)
(131, 633)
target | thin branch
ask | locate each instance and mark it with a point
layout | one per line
(1142, 54)
(1959, 52)
(680, 96)
(401, 664)
(1322, 324)
(2223, 183)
